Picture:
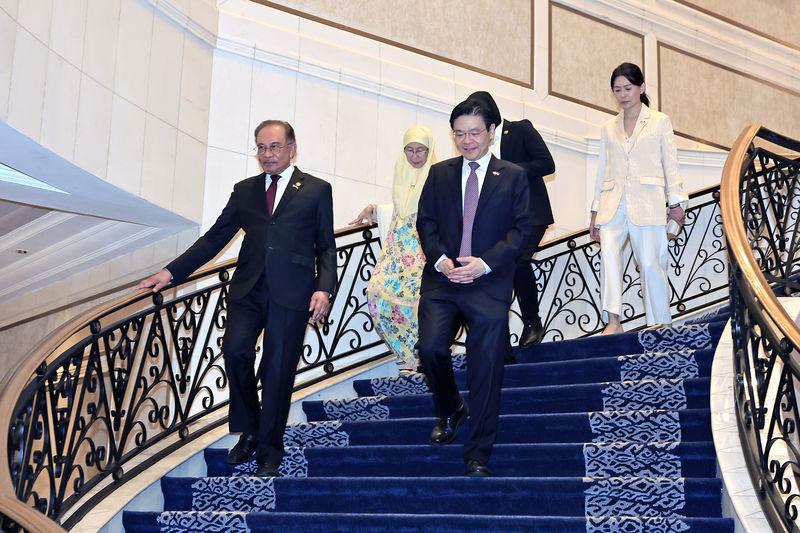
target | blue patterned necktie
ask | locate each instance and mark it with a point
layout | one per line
(470, 206)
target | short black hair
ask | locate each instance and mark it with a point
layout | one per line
(486, 100)
(286, 127)
(472, 108)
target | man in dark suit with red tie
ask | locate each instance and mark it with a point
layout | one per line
(473, 220)
(285, 272)
(518, 141)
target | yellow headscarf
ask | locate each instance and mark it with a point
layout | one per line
(408, 181)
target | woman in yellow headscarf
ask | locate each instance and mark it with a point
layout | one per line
(393, 290)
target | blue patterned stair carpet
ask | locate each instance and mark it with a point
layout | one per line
(602, 434)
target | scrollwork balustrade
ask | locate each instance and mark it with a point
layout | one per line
(761, 201)
(149, 369)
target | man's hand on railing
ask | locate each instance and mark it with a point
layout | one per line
(157, 281)
(594, 231)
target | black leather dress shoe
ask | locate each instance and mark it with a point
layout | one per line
(532, 334)
(244, 449)
(476, 468)
(267, 469)
(444, 431)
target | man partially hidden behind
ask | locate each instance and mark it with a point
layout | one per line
(520, 143)
(473, 220)
(286, 270)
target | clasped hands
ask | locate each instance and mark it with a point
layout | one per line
(471, 268)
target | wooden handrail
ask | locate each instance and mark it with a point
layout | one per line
(739, 245)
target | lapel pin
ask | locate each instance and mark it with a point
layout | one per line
(495, 173)
(505, 132)
(297, 185)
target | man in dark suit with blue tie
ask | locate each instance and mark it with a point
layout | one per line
(286, 272)
(473, 220)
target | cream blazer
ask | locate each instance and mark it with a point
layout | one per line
(647, 173)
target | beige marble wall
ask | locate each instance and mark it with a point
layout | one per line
(707, 101)
(777, 19)
(114, 87)
(583, 52)
(486, 35)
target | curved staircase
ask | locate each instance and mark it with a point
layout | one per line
(598, 434)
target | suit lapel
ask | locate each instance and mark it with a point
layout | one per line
(454, 189)
(490, 181)
(259, 195)
(294, 185)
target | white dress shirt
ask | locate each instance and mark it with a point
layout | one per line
(498, 138)
(480, 172)
(283, 182)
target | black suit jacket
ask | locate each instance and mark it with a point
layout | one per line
(295, 246)
(501, 227)
(522, 144)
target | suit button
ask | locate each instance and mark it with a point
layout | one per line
(272, 223)
(269, 248)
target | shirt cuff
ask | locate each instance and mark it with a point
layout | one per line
(595, 205)
(436, 265)
(486, 268)
(678, 199)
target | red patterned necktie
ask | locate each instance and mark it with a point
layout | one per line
(271, 190)
(470, 206)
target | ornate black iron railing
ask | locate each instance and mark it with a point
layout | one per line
(567, 273)
(761, 200)
(149, 369)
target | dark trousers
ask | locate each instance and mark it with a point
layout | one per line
(440, 311)
(524, 280)
(284, 330)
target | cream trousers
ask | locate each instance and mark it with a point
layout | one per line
(649, 244)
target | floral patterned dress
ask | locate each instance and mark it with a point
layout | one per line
(393, 290)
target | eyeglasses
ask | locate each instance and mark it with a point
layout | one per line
(416, 151)
(273, 148)
(471, 134)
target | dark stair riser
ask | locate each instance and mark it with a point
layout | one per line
(625, 343)
(138, 522)
(506, 496)
(695, 425)
(521, 400)
(695, 459)
(602, 369)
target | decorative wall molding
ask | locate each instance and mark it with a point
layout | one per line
(524, 83)
(356, 80)
(736, 23)
(623, 13)
(766, 116)
(598, 20)
(169, 10)
(682, 27)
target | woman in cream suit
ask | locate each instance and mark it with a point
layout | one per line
(637, 190)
